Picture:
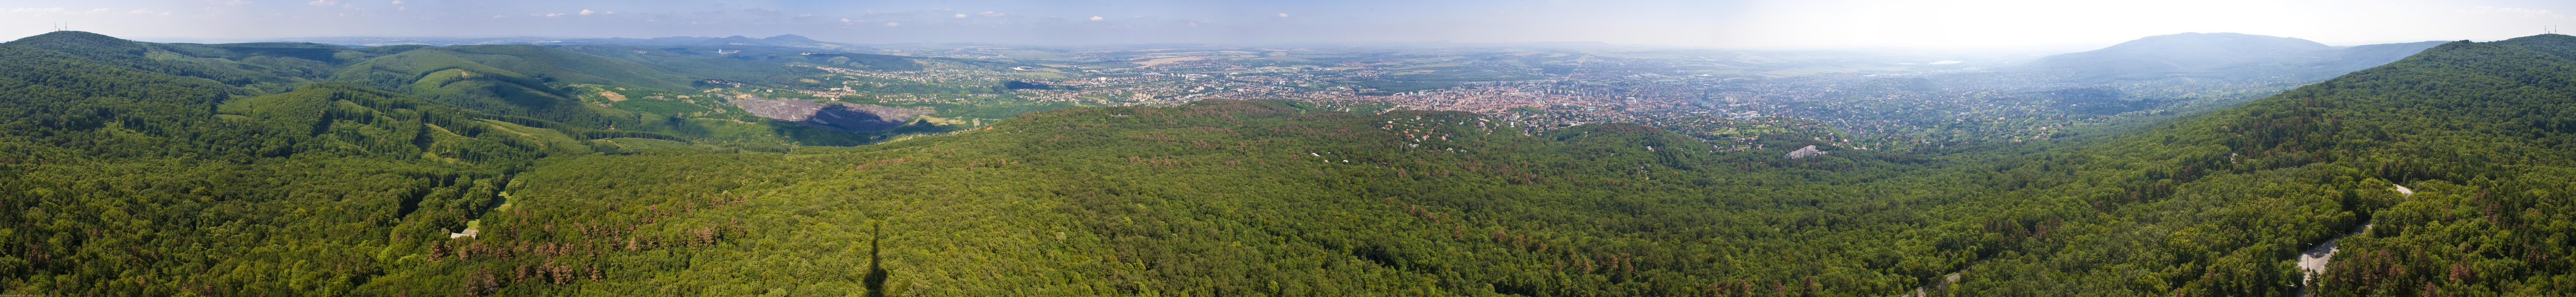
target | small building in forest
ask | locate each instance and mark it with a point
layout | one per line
(1809, 151)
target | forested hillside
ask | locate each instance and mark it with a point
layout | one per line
(127, 179)
(121, 181)
(1255, 198)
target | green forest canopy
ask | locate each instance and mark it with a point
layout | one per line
(134, 176)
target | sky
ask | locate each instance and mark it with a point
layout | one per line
(1749, 24)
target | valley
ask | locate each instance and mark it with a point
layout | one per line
(793, 167)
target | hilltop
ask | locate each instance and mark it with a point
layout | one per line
(1251, 197)
(787, 40)
(2219, 55)
(256, 168)
(571, 84)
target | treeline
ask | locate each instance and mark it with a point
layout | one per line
(1254, 198)
(120, 180)
(129, 182)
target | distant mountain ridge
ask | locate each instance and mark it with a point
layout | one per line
(2220, 56)
(788, 40)
(131, 168)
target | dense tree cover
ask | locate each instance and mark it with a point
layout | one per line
(180, 169)
(101, 49)
(518, 61)
(529, 82)
(2473, 127)
(1176, 201)
(127, 181)
(123, 181)
(511, 80)
(1257, 198)
(2488, 130)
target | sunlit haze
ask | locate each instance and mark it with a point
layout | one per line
(1730, 24)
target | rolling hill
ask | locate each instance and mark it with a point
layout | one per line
(1268, 198)
(129, 176)
(789, 40)
(2230, 56)
(536, 82)
(510, 79)
(107, 167)
(525, 61)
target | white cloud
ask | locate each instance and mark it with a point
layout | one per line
(961, 15)
(39, 10)
(891, 24)
(236, 2)
(587, 12)
(1999, 24)
(546, 14)
(988, 13)
(500, 16)
(1096, 18)
(2525, 12)
(805, 15)
(322, 3)
(397, 2)
(1283, 14)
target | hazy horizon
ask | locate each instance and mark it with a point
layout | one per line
(1850, 24)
